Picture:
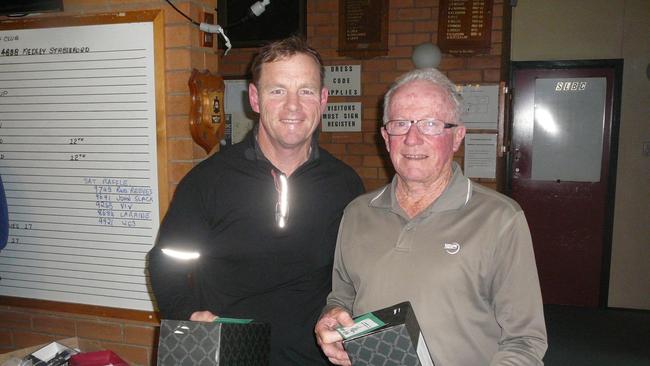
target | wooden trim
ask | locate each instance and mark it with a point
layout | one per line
(83, 309)
(77, 20)
(161, 110)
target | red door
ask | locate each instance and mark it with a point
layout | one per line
(562, 171)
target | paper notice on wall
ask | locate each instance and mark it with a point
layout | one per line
(480, 106)
(480, 155)
(342, 117)
(239, 115)
(343, 80)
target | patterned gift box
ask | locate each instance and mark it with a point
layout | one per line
(188, 343)
(396, 341)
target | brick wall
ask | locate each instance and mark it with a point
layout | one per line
(134, 341)
(410, 23)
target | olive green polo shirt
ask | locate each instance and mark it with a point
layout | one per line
(465, 263)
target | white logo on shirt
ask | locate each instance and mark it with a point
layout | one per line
(452, 248)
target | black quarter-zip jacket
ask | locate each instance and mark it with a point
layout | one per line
(248, 266)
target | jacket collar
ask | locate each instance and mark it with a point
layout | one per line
(254, 151)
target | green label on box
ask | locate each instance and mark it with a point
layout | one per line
(363, 324)
(232, 320)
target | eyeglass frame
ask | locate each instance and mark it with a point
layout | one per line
(417, 122)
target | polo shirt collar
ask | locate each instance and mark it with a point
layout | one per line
(455, 196)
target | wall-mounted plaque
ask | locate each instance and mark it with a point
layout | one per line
(363, 28)
(207, 120)
(465, 26)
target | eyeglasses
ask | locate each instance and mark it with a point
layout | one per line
(282, 205)
(427, 126)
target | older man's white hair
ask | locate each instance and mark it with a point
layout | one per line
(433, 76)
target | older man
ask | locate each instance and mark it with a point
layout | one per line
(461, 253)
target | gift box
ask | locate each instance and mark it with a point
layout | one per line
(387, 337)
(97, 358)
(224, 342)
(53, 353)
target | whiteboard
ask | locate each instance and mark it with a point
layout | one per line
(79, 164)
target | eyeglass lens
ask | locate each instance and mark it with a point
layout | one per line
(425, 126)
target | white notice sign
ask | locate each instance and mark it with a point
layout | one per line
(238, 110)
(480, 106)
(480, 155)
(340, 117)
(343, 80)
